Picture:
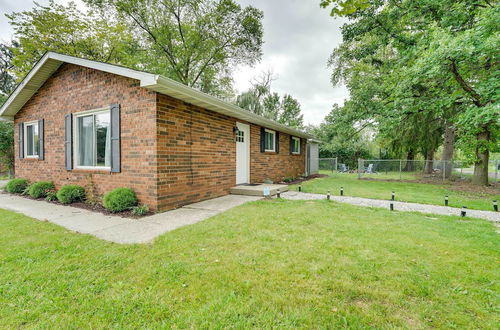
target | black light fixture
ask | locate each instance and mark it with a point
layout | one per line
(235, 130)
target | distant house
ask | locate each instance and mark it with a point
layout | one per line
(106, 126)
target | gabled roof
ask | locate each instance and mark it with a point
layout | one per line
(51, 61)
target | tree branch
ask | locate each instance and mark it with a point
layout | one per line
(476, 98)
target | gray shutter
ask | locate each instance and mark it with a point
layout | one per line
(21, 140)
(277, 144)
(41, 140)
(68, 141)
(262, 139)
(115, 138)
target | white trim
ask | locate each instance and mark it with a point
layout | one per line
(248, 141)
(76, 140)
(298, 143)
(51, 61)
(274, 140)
(25, 140)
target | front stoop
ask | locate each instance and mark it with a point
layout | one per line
(258, 190)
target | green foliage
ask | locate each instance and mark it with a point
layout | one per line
(7, 144)
(67, 30)
(7, 81)
(51, 196)
(140, 210)
(344, 7)
(40, 189)
(120, 199)
(260, 100)
(71, 194)
(197, 43)
(16, 186)
(414, 66)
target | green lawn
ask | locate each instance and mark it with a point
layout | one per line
(261, 265)
(405, 191)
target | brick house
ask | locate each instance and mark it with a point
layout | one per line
(104, 126)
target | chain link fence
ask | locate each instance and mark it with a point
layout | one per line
(328, 164)
(414, 170)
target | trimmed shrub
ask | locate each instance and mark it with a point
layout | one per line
(119, 199)
(70, 194)
(16, 186)
(140, 210)
(40, 189)
(51, 196)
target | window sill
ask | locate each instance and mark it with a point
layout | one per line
(31, 158)
(91, 170)
(269, 151)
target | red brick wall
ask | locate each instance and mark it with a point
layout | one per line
(197, 154)
(73, 89)
(173, 153)
(271, 165)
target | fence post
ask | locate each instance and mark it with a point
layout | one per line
(444, 169)
(496, 172)
(400, 169)
(359, 167)
(336, 164)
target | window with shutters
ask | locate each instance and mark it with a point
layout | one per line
(31, 140)
(295, 145)
(92, 139)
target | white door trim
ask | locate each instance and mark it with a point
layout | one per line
(241, 176)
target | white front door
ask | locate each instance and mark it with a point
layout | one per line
(242, 153)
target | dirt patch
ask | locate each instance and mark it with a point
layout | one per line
(306, 178)
(91, 207)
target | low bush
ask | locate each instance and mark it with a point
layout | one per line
(71, 194)
(51, 196)
(40, 189)
(119, 199)
(140, 210)
(16, 186)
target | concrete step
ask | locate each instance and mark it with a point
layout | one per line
(258, 190)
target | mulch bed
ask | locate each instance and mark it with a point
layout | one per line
(91, 207)
(306, 178)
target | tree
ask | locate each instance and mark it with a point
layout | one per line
(416, 67)
(196, 42)
(67, 30)
(7, 81)
(7, 145)
(260, 100)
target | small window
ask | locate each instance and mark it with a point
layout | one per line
(295, 145)
(31, 140)
(93, 139)
(269, 140)
(240, 136)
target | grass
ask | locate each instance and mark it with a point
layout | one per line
(261, 265)
(424, 193)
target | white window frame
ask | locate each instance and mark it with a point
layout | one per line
(298, 145)
(76, 140)
(25, 138)
(274, 140)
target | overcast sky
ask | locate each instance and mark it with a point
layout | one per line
(298, 38)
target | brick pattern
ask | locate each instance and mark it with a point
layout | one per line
(173, 153)
(73, 89)
(271, 165)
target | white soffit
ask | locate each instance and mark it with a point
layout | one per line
(51, 61)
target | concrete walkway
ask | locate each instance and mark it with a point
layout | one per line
(117, 229)
(398, 206)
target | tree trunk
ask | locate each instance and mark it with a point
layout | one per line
(410, 164)
(448, 149)
(482, 155)
(429, 161)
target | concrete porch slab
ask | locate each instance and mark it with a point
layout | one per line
(258, 190)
